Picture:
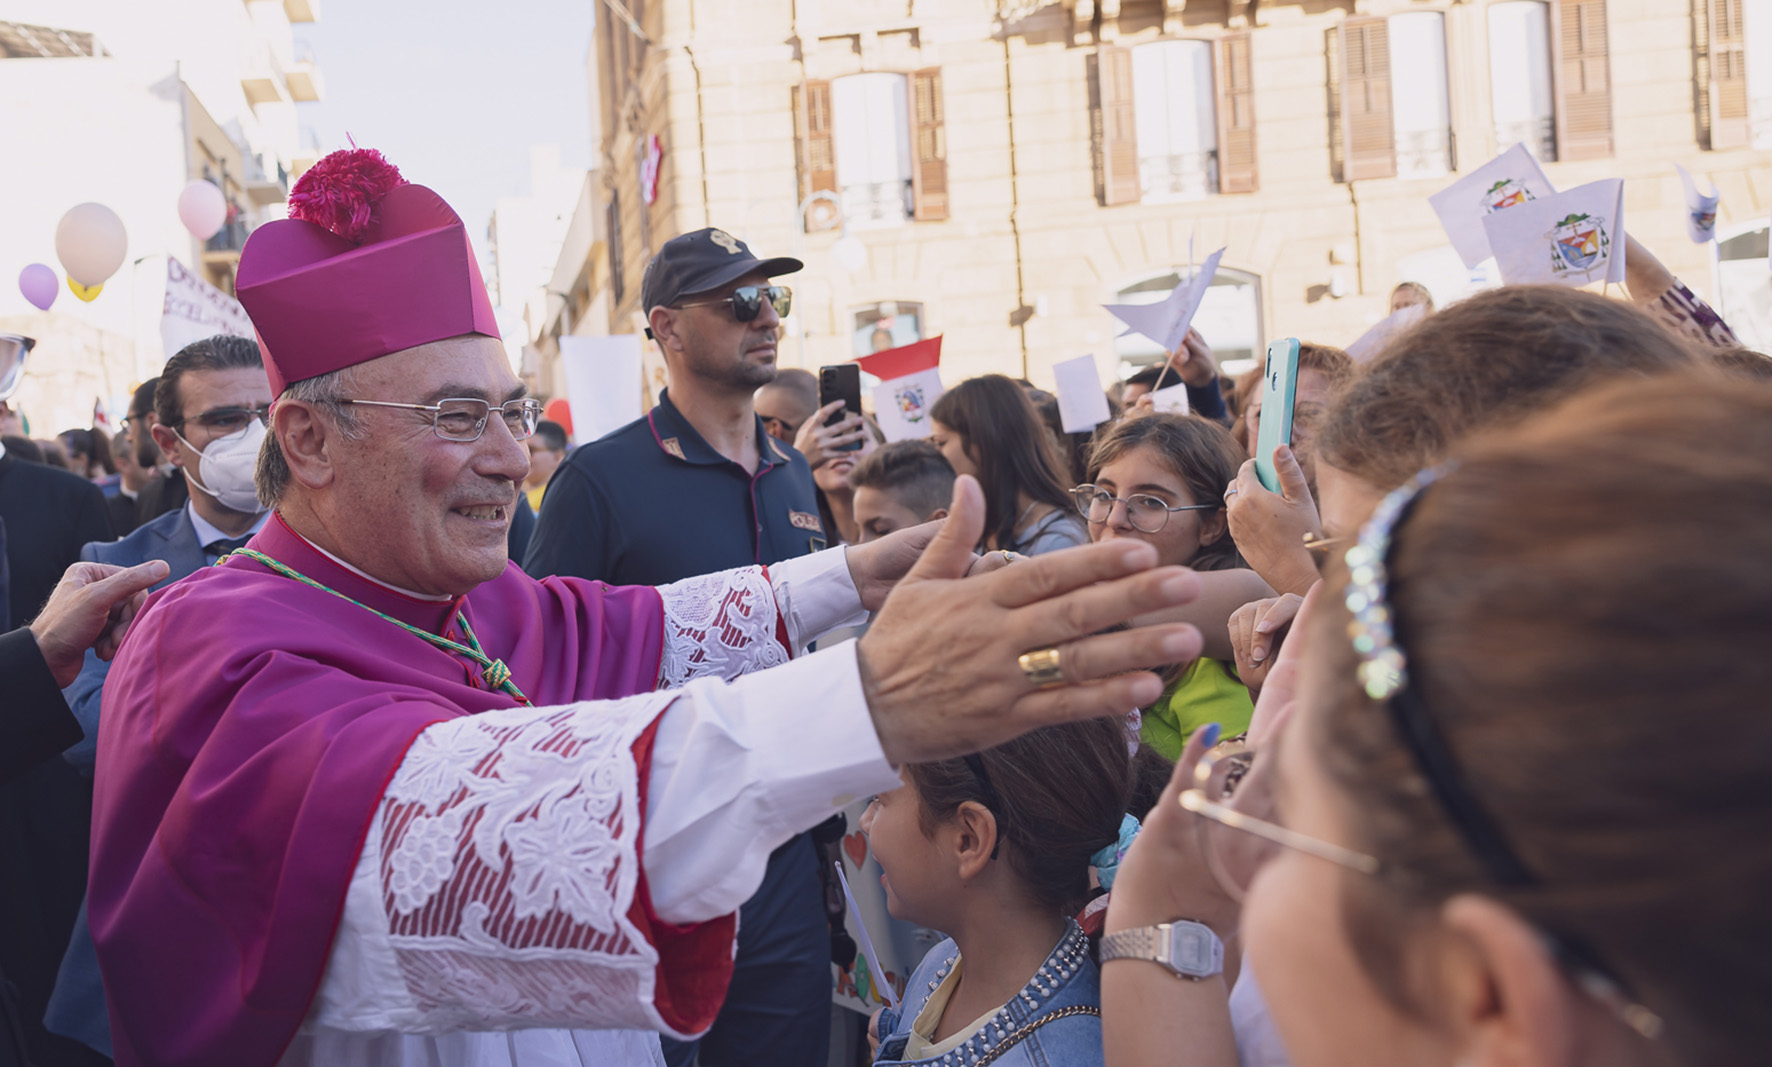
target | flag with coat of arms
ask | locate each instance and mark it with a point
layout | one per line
(910, 383)
(1572, 238)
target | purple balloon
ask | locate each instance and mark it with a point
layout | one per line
(39, 285)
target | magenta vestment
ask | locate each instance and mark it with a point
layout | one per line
(250, 725)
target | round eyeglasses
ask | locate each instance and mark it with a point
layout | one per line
(465, 418)
(746, 301)
(1146, 513)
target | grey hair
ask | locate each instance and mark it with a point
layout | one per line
(327, 392)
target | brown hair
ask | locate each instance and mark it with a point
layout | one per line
(1494, 357)
(1061, 792)
(914, 472)
(1744, 361)
(1200, 452)
(1564, 639)
(1004, 435)
(1334, 363)
(1427, 298)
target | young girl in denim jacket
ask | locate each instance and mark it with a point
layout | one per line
(996, 849)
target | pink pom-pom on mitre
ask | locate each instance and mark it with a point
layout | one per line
(341, 190)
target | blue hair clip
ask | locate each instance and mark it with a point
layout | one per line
(1106, 860)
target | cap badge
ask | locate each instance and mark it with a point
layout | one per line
(725, 240)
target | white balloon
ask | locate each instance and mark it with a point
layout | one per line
(91, 243)
(202, 208)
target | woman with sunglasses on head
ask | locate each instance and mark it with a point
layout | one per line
(1161, 479)
(1471, 843)
(988, 428)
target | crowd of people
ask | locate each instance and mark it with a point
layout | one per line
(400, 731)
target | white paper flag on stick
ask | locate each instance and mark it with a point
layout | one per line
(1166, 322)
(1572, 238)
(1082, 406)
(910, 385)
(1373, 341)
(1701, 209)
(603, 382)
(1509, 180)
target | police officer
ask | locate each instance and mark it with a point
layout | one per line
(696, 486)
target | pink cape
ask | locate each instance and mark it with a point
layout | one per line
(250, 724)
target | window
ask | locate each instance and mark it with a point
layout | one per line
(1229, 318)
(1520, 77)
(878, 142)
(1736, 57)
(1173, 120)
(1394, 113)
(888, 324)
(1583, 81)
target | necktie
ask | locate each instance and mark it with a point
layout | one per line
(222, 546)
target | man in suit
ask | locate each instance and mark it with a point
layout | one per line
(165, 489)
(210, 407)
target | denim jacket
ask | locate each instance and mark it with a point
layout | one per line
(1067, 980)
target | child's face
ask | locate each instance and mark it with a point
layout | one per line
(879, 512)
(916, 880)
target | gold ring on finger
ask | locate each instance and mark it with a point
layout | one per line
(1042, 667)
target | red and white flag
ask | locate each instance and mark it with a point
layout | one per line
(910, 383)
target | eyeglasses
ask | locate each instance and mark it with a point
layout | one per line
(1238, 841)
(1146, 513)
(464, 418)
(223, 421)
(747, 301)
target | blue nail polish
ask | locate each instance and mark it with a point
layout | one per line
(1209, 734)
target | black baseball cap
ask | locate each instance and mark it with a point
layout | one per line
(702, 260)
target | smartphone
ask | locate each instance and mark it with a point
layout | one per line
(842, 382)
(1278, 387)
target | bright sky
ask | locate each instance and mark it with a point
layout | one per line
(454, 92)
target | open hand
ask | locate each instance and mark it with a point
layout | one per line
(90, 608)
(1269, 527)
(940, 666)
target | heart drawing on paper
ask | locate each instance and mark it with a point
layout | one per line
(856, 846)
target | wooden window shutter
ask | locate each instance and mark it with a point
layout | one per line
(1115, 134)
(929, 145)
(1728, 75)
(818, 156)
(1236, 116)
(1583, 80)
(1368, 137)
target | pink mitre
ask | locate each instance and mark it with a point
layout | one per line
(365, 265)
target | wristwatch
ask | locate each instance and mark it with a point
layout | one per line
(1187, 948)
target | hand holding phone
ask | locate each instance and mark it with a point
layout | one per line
(1279, 386)
(841, 381)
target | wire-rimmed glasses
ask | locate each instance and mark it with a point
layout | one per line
(1146, 513)
(464, 418)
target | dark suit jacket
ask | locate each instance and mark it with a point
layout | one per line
(170, 537)
(163, 493)
(122, 509)
(49, 514)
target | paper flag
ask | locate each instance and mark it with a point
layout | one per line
(902, 405)
(1170, 400)
(1082, 406)
(904, 360)
(1166, 322)
(1701, 209)
(867, 943)
(1373, 341)
(1509, 180)
(1571, 238)
(603, 376)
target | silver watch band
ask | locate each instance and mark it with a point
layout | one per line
(1201, 951)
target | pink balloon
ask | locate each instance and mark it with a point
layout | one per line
(39, 285)
(202, 208)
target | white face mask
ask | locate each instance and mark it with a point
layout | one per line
(227, 466)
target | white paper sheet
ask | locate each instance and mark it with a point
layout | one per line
(1373, 341)
(602, 383)
(1166, 322)
(1171, 400)
(902, 405)
(1509, 180)
(1082, 406)
(1572, 238)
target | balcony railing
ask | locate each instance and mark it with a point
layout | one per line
(230, 238)
(873, 205)
(1182, 176)
(1539, 135)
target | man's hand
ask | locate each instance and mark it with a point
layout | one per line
(819, 443)
(878, 565)
(1269, 528)
(940, 664)
(90, 608)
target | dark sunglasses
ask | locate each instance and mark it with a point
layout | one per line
(747, 301)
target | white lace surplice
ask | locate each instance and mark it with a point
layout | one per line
(494, 888)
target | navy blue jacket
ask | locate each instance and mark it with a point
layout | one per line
(653, 503)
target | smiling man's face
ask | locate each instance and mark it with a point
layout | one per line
(414, 509)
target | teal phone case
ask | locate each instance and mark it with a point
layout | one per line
(1278, 387)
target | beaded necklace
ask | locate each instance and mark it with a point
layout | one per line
(999, 1034)
(492, 671)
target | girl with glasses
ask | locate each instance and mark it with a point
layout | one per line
(1161, 479)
